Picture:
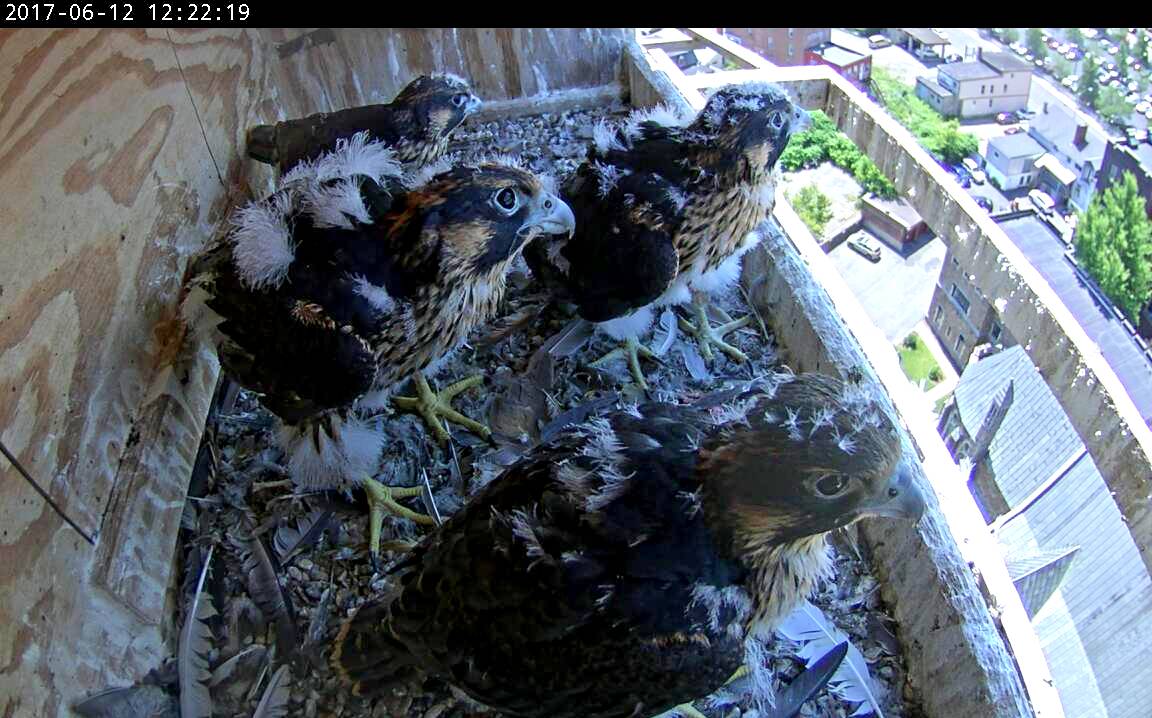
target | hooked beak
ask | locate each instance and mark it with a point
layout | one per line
(801, 120)
(553, 216)
(903, 499)
(473, 106)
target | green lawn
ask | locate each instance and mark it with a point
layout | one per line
(918, 363)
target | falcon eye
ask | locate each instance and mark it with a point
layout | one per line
(460, 99)
(506, 200)
(831, 484)
(776, 119)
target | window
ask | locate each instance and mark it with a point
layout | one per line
(960, 299)
(947, 332)
(982, 89)
(995, 331)
(955, 263)
(959, 343)
(791, 31)
(1005, 86)
(938, 315)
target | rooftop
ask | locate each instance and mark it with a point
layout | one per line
(1005, 62)
(1060, 500)
(837, 55)
(1059, 128)
(898, 209)
(925, 35)
(1142, 152)
(933, 85)
(974, 70)
(1034, 440)
(1017, 145)
(1046, 252)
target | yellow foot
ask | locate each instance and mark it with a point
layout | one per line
(707, 336)
(632, 351)
(382, 498)
(687, 710)
(430, 405)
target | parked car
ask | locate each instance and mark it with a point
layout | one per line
(974, 170)
(865, 246)
(878, 41)
(1006, 118)
(1042, 200)
(984, 203)
(1026, 113)
(1013, 130)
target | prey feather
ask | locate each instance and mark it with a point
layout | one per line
(195, 643)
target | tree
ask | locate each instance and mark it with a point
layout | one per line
(1140, 50)
(1075, 36)
(1010, 35)
(1114, 245)
(814, 208)
(1061, 68)
(1111, 105)
(1089, 88)
(1122, 60)
(1036, 44)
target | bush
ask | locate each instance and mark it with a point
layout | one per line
(936, 374)
(822, 142)
(912, 341)
(941, 137)
(814, 208)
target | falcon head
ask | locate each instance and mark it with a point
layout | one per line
(755, 117)
(815, 455)
(482, 215)
(438, 104)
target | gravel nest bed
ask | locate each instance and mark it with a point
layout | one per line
(325, 574)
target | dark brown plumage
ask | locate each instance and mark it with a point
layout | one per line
(634, 562)
(665, 207)
(346, 281)
(416, 125)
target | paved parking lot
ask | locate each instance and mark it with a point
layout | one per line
(896, 291)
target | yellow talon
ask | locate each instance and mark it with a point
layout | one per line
(382, 498)
(430, 405)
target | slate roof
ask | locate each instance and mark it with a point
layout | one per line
(1035, 438)
(1097, 625)
(1059, 128)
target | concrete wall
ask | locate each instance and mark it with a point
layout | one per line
(120, 155)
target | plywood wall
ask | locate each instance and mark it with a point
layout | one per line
(119, 158)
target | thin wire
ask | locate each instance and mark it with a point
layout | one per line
(60, 512)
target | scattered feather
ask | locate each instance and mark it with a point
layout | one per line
(290, 540)
(195, 643)
(811, 629)
(806, 685)
(267, 591)
(570, 339)
(139, 701)
(274, 703)
(694, 363)
(666, 334)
